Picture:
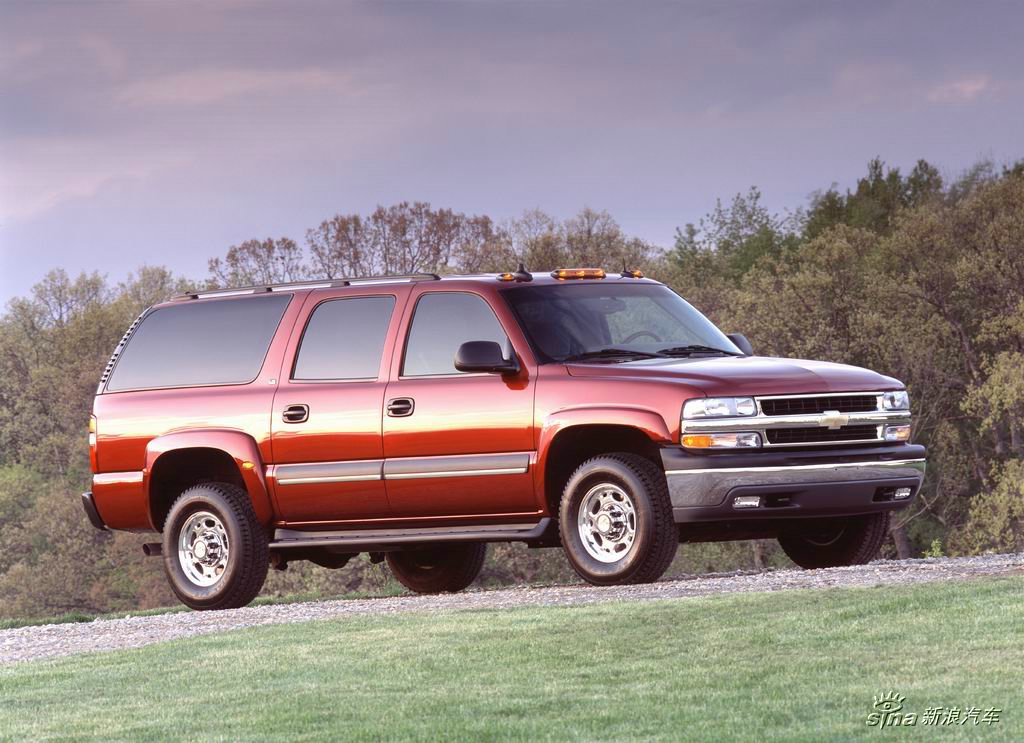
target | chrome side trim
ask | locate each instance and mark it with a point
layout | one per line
(800, 467)
(458, 466)
(454, 473)
(407, 468)
(320, 472)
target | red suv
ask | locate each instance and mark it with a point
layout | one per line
(418, 418)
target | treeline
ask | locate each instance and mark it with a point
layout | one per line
(414, 237)
(904, 273)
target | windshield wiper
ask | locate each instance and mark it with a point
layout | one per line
(610, 353)
(696, 348)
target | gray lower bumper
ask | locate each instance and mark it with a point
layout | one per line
(704, 490)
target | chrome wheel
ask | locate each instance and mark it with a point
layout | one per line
(607, 522)
(203, 548)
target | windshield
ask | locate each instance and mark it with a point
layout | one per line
(591, 320)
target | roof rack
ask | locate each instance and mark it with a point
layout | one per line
(309, 284)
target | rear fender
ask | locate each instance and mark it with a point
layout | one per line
(241, 447)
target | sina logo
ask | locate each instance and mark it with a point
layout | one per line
(888, 711)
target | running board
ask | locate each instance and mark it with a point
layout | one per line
(288, 538)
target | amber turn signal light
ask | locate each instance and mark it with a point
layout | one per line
(695, 441)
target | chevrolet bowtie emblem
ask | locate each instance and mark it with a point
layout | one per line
(833, 419)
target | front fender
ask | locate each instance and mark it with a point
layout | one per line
(647, 421)
(241, 447)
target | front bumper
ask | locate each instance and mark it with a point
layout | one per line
(792, 484)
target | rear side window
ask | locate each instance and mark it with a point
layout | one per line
(442, 323)
(200, 343)
(344, 339)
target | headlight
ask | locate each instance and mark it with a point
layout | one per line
(719, 407)
(896, 400)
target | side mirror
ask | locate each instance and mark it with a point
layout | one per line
(740, 341)
(484, 356)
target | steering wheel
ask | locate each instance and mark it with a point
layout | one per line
(640, 334)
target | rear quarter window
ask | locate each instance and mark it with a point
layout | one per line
(199, 343)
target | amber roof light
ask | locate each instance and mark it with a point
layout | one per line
(578, 273)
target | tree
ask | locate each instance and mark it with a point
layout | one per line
(735, 237)
(259, 262)
(400, 239)
(877, 199)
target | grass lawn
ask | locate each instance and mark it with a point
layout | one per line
(789, 665)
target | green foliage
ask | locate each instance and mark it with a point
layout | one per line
(877, 200)
(732, 239)
(996, 519)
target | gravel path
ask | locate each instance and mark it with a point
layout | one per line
(55, 640)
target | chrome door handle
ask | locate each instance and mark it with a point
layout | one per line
(400, 407)
(295, 414)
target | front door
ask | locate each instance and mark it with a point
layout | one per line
(326, 427)
(456, 444)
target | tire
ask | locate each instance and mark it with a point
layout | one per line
(229, 568)
(852, 541)
(441, 568)
(637, 539)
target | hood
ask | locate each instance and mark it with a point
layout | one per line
(747, 375)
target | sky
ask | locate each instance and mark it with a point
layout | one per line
(161, 133)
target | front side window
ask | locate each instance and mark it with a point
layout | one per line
(568, 321)
(344, 339)
(443, 322)
(199, 343)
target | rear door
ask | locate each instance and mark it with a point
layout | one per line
(457, 444)
(326, 426)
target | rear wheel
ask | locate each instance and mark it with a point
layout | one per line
(616, 520)
(215, 550)
(442, 568)
(833, 543)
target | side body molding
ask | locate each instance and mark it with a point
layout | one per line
(240, 446)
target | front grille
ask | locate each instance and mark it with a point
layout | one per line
(812, 405)
(821, 435)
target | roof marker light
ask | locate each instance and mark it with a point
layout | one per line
(578, 273)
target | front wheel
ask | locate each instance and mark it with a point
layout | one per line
(837, 542)
(443, 568)
(616, 520)
(216, 552)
